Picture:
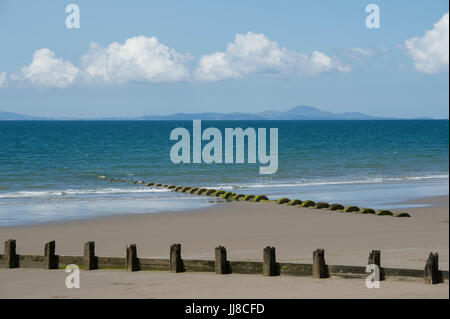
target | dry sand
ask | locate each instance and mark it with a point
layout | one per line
(37, 283)
(244, 229)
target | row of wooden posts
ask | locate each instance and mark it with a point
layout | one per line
(432, 274)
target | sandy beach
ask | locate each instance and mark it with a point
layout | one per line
(244, 229)
(37, 283)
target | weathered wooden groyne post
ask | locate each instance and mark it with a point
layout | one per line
(90, 261)
(222, 266)
(51, 260)
(320, 268)
(11, 258)
(269, 262)
(175, 262)
(432, 274)
(375, 259)
(132, 259)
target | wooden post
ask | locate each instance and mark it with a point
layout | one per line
(269, 262)
(132, 259)
(375, 259)
(221, 264)
(320, 268)
(432, 274)
(50, 259)
(89, 260)
(176, 263)
(11, 258)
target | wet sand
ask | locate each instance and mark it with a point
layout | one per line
(244, 229)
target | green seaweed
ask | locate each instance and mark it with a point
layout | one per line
(295, 202)
(201, 191)
(308, 203)
(248, 197)
(351, 209)
(384, 212)
(218, 193)
(259, 198)
(193, 190)
(402, 214)
(336, 207)
(366, 211)
(228, 195)
(321, 205)
(238, 197)
(282, 200)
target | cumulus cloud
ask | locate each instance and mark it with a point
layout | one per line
(47, 71)
(358, 53)
(145, 59)
(138, 59)
(430, 53)
(254, 53)
(3, 80)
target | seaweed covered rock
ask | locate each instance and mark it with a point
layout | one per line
(228, 195)
(238, 196)
(150, 184)
(171, 186)
(336, 207)
(282, 200)
(158, 185)
(185, 189)
(384, 212)
(366, 211)
(177, 188)
(351, 209)
(193, 190)
(260, 198)
(248, 197)
(201, 191)
(308, 203)
(402, 214)
(218, 193)
(321, 205)
(295, 202)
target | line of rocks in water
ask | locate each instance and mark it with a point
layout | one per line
(230, 196)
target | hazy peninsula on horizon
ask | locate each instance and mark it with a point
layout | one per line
(301, 112)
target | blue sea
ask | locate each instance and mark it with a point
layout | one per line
(52, 171)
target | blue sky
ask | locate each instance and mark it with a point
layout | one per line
(225, 56)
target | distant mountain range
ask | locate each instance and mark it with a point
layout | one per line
(301, 112)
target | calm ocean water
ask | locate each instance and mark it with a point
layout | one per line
(50, 170)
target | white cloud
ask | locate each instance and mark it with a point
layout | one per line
(138, 59)
(3, 80)
(358, 53)
(47, 71)
(430, 53)
(145, 59)
(254, 53)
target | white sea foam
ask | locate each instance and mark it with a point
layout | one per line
(336, 182)
(68, 192)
